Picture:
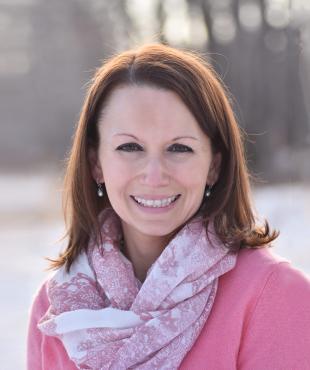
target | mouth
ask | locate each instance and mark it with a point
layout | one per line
(155, 203)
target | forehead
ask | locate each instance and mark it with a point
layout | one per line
(147, 109)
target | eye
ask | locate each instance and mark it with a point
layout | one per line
(180, 148)
(130, 147)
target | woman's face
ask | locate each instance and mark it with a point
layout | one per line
(153, 158)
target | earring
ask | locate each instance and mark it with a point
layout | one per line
(99, 190)
(208, 191)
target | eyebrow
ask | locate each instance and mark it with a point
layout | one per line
(175, 139)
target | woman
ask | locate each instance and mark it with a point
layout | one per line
(166, 266)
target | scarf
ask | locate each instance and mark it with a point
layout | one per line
(107, 319)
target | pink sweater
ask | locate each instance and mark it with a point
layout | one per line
(260, 320)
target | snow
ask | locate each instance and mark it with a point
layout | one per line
(31, 223)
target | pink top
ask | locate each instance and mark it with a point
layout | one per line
(260, 320)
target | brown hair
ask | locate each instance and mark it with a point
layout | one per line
(194, 80)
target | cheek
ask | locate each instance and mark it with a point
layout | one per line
(194, 173)
(116, 176)
(194, 181)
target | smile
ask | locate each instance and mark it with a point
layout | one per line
(156, 203)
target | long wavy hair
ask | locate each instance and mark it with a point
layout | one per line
(193, 79)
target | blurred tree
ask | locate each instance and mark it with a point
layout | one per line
(41, 94)
(262, 57)
(48, 51)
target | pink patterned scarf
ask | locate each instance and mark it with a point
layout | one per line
(107, 319)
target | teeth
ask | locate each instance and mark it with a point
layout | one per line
(155, 203)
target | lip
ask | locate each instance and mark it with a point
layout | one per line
(155, 210)
(153, 197)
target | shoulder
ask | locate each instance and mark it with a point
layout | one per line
(257, 267)
(257, 272)
(261, 260)
(279, 284)
(259, 317)
(276, 332)
(44, 352)
(40, 302)
(261, 273)
(39, 307)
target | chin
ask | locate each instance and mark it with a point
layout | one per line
(157, 230)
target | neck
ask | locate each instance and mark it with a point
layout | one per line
(142, 250)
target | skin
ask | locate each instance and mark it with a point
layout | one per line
(169, 154)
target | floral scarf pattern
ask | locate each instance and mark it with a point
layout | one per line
(107, 319)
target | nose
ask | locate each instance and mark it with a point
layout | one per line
(154, 173)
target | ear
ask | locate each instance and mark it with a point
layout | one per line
(214, 169)
(95, 165)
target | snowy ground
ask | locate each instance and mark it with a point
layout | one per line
(31, 224)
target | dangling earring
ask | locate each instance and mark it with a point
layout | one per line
(208, 191)
(99, 190)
